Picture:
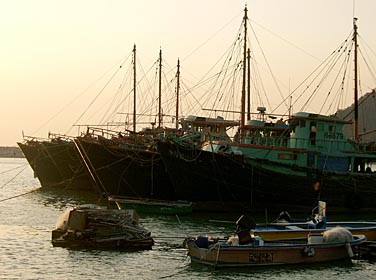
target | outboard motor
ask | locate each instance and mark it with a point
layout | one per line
(245, 222)
(284, 217)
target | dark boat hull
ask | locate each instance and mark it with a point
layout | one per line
(202, 177)
(120, 170)
(56, 164)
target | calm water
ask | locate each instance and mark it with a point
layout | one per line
(26, 251)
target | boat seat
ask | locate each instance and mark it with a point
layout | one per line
(293, 228)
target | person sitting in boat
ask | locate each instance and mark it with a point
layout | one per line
(243, 229)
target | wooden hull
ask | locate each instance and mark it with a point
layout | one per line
(255, 184)
(125, 171)
(56, 164)
(222, 255)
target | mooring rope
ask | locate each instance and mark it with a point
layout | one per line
(9, 198)
(14, 177)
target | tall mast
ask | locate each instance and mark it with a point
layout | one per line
(356, 123)
(249, 85)
(242, 117)
(160, 90)
(134, 88)
(177, 95)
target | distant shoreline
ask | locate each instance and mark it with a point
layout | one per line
(11, 152)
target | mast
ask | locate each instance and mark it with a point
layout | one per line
(249, 85)
(160, 90)
(134, 88)
(356, 122)
(242, 116)
(177, 95)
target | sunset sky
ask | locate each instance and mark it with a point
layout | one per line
(52, 52)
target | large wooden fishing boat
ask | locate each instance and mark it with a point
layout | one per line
(56, 163)
(125, 166)
(293, 160)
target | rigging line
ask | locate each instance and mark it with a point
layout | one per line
(311, 74)
(259, 86)
(227, 52)
(120, 103)
(223, 72)
(269, 67)
(75, 99)
(100, 92)
(368, 66)
(314, 78)
(90, 168)
(344, 63)
(188, 91)
(219, 94)
(324, 74)
(9, 198)
(107, 115)
(285, 40)
(13, 177)
(343, 80)
(361, 101)
(138, 83)
(326, 68)
(211, 37)
(366, 44)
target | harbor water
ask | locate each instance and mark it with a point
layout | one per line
(28, 215)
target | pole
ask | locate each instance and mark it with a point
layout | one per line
(134, 88)
(177, 95)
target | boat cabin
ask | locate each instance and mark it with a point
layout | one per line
(209, 129)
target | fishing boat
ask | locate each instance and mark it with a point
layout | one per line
(155, 206)
(257, 252)
(56, 163)
(129, 164)
(292, 159)
(89, 226)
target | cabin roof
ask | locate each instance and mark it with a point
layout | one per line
(219, 121)
(318, 117)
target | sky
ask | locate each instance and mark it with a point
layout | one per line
(52, 52)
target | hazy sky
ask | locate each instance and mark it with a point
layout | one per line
(51, 51)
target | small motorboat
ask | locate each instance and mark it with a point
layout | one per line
(90, 226)
(285, 227)
(241, 250)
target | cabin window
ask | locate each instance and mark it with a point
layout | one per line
(335, 164)
(302, 123)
